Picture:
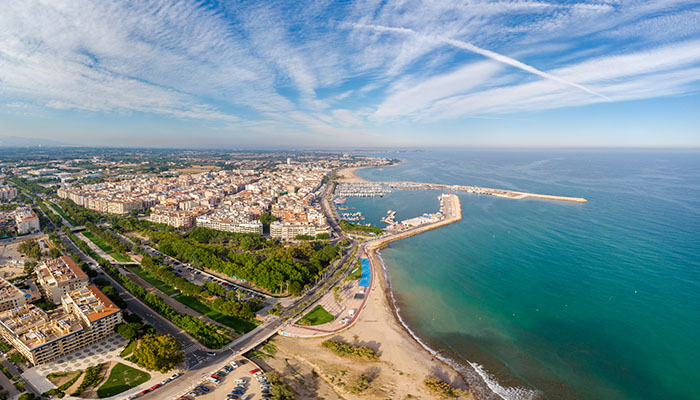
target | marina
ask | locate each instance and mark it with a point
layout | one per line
(368, 189)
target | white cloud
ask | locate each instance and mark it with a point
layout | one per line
(271, 67)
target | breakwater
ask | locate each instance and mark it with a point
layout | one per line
(510, 194)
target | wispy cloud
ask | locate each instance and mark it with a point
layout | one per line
(484, 52)
(325, 68)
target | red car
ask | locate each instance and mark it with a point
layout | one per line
(146, 391)
(252, 371)
(156, 386)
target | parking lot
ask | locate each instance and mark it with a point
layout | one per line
(199, 277)
(236, 384)
(11, 260)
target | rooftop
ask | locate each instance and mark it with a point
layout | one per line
(8, 290)
(91, 302)
(59, 270)
(34, 327)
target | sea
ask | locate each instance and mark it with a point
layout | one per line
(553, 300)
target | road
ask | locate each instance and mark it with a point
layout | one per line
(193, 350)
(200, 363)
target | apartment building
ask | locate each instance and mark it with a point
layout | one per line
(26, 221)
(59, 276)
(290, 230)
(172, 217)
(10, 296)
(229, 225)
(86, 316)
(7, 193)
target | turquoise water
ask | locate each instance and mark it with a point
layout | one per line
(573, 301)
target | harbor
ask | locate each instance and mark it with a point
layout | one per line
(368, 189)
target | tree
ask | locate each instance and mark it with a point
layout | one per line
(16, 358)
(267, 219)
(29, 267)
(129, 331)
(28, 396)
(31, 249)
(279, 390)
(159, 353)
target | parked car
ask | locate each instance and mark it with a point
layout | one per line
(233, 364)
(252, 371)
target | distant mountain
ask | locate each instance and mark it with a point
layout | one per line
(16, 141)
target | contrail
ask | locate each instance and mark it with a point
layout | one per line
(486, 53)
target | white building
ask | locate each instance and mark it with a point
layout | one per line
(290, 230)
(26, 221)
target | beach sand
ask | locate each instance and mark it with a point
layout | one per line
(403, 364)
(347, 175)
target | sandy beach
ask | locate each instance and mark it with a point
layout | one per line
(403, 365)
(347, 175)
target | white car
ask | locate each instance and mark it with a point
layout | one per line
(233, 364)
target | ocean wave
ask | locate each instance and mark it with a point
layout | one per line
(484, 384)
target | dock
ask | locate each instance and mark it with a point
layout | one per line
(451, 210)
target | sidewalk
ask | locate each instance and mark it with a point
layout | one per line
(351, 299)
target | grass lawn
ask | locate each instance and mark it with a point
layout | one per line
(150, 278)
(106, 248)
(356, 272)
(128, 349)
(60, 212)
(238, 324)
(317, 316)
(122, 378)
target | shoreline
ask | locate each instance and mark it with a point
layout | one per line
(349, 175)
(481, 384)
(479, 381)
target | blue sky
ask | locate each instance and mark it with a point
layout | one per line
(351, 73)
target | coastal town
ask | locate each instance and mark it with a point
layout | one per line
(230, 259)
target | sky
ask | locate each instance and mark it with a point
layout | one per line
(354, 74)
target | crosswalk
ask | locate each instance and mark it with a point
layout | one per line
(190, 348)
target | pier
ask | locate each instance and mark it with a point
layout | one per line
(509, 194)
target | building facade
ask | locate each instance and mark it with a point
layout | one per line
(289, 231)
(59, 276)
(254, 226)
(7, 193)
(26, 221)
